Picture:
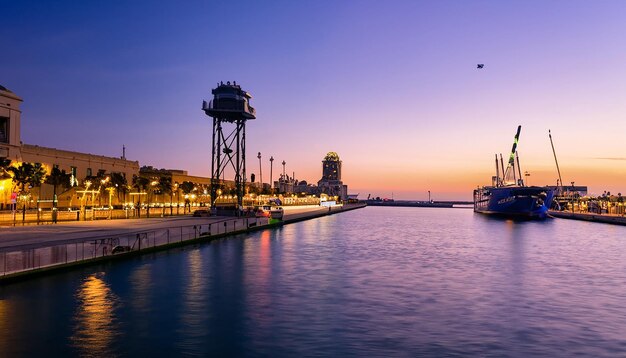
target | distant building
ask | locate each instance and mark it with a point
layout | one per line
(79, 165)
(331, 183)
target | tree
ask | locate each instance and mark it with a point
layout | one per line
(120, 183)
(163, 187)
(27, 175)
(57, 178)
(4, 166)
(187, 187)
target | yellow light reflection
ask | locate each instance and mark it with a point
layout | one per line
(4, 324)
(96, 324)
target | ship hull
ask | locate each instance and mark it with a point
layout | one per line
(514, 201)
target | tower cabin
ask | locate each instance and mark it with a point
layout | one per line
(230, 103)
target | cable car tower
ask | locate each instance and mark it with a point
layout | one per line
(230, 109)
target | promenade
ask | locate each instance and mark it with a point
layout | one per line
(36, 248)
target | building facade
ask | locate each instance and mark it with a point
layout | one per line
(331, 183)
(78, 165)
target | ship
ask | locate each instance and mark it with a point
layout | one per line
(508, 196)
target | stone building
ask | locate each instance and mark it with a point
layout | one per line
(331, 183)
(79, 165)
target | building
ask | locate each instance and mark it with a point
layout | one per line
(78, 165)
(331, 183)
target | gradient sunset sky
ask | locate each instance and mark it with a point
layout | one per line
(391, 86)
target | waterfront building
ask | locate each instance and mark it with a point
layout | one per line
(331, 183)
(78, 165)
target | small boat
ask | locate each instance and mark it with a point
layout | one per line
(276, 212)
(508, 196)
(270, 211)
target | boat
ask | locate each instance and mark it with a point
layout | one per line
(270, 211)
(276, 212)
(508, 196)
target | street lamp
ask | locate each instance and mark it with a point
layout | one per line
(271, 167)
(260, 172)
(527, 174)
(284, 168)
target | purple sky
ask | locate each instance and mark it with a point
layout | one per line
(392, 86)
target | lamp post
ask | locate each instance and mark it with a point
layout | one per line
(283, 189)
(271, 167)
(260, 172)
(527, 174)
(572, 196)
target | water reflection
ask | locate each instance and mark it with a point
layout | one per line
(96, 322)
(4, 324)
(193, 315)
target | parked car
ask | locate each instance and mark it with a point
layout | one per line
(201, 213)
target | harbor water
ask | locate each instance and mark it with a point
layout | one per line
(374, 282)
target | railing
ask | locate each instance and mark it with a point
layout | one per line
(16, 260)
(34, 216)
(234, 105)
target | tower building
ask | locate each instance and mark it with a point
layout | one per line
(230, 109)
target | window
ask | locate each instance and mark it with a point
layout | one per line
(4, 129)
(88, 172)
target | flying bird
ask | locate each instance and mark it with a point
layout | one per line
(480, 65)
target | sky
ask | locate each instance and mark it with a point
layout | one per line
(391, 86)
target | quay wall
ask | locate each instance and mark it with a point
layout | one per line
(18, 263)
(599, 218)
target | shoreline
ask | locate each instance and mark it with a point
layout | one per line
(162, 235)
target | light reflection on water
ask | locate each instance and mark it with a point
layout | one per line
(194, 312)
(372, 282)
(96, 325)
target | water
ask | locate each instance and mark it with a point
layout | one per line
(372, 282)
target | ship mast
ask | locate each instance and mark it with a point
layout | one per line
(560, 188)
(511, 165)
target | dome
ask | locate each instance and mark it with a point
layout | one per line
(332, 157)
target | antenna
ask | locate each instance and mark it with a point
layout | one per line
(123, 152)
(555, 160)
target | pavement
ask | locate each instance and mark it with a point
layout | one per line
(64, 232)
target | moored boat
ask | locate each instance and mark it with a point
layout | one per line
(508, 196)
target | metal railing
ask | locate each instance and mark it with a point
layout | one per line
(16, 260)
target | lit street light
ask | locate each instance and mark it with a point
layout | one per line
(271, 167)
(260, 172)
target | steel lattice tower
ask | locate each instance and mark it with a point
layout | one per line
(230, 110)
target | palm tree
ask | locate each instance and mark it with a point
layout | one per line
(164, 186)
(121, 185)
(31, 174)
(187, 187)
(57, 178)
(4, 166)
(140, 183)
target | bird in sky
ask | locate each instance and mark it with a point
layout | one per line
(480, 66)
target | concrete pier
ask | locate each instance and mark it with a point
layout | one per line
(599, 218)
(30, 250)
